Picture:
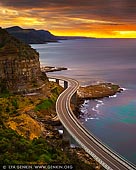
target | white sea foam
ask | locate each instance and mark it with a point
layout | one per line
(86, 101)
(124, 89)
(93, 72)
(98, 105)
(94, 109)
(99, 82)
(100, 101)
(113, 96)
(85, 104)
(84, 111)
(92, 118)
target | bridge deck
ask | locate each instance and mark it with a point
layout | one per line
(101, 153)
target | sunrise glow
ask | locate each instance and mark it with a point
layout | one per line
(114, 20)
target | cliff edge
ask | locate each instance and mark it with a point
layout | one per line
(19, 65)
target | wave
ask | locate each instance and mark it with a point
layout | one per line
(92, 118)
(124, 89)
(99, 101)
(114, 96)
(94, 109)
(86, 114)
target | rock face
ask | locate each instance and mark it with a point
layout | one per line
(98, 91)
(19, 65)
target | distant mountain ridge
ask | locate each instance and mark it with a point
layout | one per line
(32, 36)
(19, 65)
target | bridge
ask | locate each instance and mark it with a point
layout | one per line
(109, 159)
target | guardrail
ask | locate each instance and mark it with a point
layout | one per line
(104, 147)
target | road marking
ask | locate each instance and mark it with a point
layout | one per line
(88, 150)
(95, 140)
(69, 93)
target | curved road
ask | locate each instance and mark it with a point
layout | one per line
(93, 146)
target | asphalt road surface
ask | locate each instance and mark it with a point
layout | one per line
(92, 145)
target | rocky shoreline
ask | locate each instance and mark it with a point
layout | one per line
(51, 123)
(28, 121)
(53, 127)
(99, 91)
(93, 92)
(47, 69)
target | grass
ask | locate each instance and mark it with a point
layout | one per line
(45, 104)
(50, 101)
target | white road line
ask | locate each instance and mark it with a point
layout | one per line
(69, 93)
(88, 150)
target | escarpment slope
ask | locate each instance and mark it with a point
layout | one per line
(19, 65)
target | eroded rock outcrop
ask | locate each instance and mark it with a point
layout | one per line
(98, 91)
(19, 65)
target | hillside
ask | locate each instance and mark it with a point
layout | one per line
(19, 65)
(28, 133)
(32, 36)
(9, 45)
(28, 120)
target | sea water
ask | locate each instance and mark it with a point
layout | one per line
(112, 120)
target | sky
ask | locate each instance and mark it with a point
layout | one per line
(91, 18)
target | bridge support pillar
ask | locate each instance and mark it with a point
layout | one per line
(57, 81)
(65, 84)
(67, 138)
(74, 98)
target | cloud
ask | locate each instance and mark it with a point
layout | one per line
(115, 10)
(73, 16)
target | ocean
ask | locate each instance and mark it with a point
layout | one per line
(90, 61)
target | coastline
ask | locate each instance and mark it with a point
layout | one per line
(38, 122)
(47, 69)
(100, 90)
(120, 75)
(94, 93)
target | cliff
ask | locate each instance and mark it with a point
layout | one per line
(19, 65)
(32, 36)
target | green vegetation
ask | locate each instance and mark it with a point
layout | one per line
(17, 127)
(10, 45)
(45, 104)
(16, 149)
(48, 103)
(114, 87)
(9, 105)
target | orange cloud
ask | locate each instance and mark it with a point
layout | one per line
(83, 18)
